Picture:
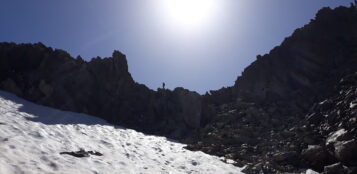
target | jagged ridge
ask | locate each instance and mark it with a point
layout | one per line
(260, 121)
(100, 87)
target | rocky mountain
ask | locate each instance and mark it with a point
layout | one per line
(253, 134)
(100, 87)
(288, 111)
(261, 120)
(334, 122)
(320, 52)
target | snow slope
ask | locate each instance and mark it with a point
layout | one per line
(32, 136)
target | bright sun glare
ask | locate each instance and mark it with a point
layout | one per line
(189, 14)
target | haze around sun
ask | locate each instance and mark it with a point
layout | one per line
(200, 45)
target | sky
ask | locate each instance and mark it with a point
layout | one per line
(200, 45)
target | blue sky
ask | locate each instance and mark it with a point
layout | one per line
(203, 58)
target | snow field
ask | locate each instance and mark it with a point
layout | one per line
(32, 136)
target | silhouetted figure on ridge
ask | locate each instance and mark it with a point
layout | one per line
(163, 85)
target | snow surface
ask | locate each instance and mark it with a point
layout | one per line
(32, 136)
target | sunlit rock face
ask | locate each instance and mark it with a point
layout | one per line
(101, 87)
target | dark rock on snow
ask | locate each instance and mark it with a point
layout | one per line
(82, 153)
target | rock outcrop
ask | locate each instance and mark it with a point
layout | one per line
(321, 52)
(334, 120)
(285, 106)
(100, 87)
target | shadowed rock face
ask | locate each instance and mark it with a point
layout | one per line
(296, 68)
(260, 120)
(101, 87)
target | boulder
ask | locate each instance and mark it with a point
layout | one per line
(287, 157)
(336, 168)
(339, 135)
(314, 118)
(346, 151)
(316, 156)
(82, 153)
(342, 146)
(309, 171)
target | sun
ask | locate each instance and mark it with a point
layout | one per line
(188, 14)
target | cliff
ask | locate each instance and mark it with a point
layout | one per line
(321, 52)
(100, 87)
(287, 110)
